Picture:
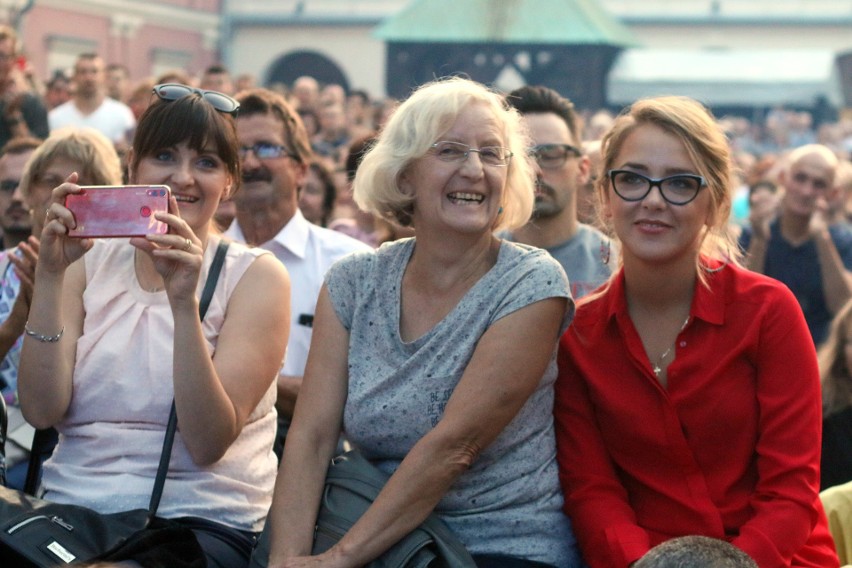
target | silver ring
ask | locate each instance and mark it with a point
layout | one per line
(188, 245)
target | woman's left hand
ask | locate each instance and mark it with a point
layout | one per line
(177, 254)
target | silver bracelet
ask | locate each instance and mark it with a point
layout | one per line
(41, 337)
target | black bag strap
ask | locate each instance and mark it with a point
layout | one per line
(43, 443)
(171, 427)
(213, 277)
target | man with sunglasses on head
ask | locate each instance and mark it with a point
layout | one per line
(561, 172)
(796, 244)
(275, 155)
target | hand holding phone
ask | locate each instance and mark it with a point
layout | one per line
(110, 211)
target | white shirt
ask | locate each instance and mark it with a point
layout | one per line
(308, 251)
(113, 119)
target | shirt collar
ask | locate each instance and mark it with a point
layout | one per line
(708, 303)
(709, 300)
(294, 236)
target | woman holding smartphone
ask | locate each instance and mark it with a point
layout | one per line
(114, 336)
(688, 397)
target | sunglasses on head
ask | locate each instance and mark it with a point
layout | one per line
(220, 101)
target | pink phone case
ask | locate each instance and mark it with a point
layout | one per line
(118, 210)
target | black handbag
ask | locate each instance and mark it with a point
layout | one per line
(351, 485)
(40, 533)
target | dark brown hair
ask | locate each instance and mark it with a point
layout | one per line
(532, 99)
(189, 119)
(323, 173)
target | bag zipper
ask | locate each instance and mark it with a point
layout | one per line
(322, 529)
(53, 519)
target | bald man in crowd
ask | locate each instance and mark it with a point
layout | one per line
(796, 244)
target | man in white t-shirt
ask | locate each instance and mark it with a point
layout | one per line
(275, 154)
(90, 106)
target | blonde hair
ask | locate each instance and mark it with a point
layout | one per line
(835, 375)
(96, 155)
(707, 147)
(418, 123)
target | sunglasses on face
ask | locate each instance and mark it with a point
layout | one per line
(173, 91)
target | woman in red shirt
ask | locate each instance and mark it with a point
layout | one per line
(688, 398)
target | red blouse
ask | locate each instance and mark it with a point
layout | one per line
(729, 450)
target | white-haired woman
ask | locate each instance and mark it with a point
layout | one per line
(436, 354)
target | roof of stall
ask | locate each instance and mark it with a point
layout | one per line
(566, 22)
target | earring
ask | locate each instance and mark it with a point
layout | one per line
(500, 210)
(606, 250)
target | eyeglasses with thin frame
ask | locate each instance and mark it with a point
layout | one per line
(220, 101)
(552, 156)
(265, 151)
(448, 151)
(678, 189)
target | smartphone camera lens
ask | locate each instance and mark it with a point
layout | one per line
(162, 192)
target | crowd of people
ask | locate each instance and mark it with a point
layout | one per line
(579, 338)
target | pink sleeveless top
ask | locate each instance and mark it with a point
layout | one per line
(111, 438)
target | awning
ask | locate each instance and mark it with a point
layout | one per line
(727, 77)
(561, 22)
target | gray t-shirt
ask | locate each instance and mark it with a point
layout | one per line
(509, 502)
(580, 256)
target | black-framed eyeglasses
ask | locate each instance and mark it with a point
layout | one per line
(9, 185)
(220, 101)
(457, 152)
(551, 156)
(678, 189)
(265, 151)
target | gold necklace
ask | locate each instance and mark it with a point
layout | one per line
(658, 366)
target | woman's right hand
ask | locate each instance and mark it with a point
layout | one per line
(57, 250)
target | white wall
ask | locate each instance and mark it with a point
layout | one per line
(353, 49)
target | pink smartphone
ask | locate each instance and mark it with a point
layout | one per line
(118, 210)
